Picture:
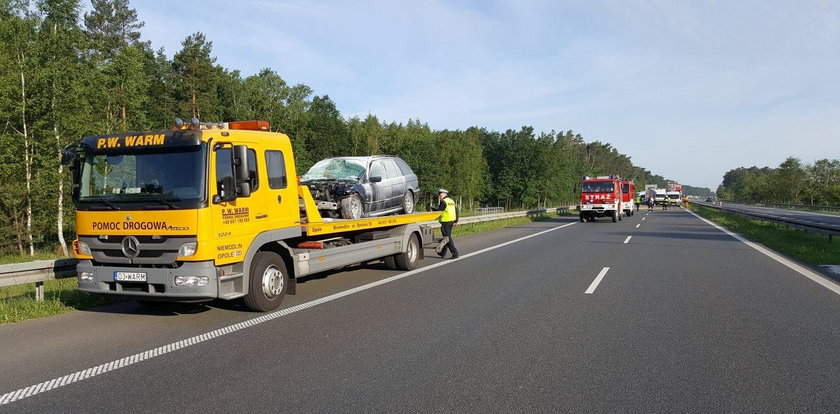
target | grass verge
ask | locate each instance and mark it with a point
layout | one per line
(464, 229)
(17, 303)
(812, 248)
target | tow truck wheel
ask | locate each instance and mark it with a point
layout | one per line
(582, 218)
(408, 259)
(268, 282)
(351, 207)
(614, 216)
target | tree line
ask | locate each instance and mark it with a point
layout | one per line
(65, 74)
(792, 182)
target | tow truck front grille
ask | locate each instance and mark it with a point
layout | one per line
(159, 250)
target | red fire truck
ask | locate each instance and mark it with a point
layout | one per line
(628, 190)
(600, 197)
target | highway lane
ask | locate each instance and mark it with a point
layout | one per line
(685, 319)
(90, 337)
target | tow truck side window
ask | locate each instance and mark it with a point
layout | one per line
(224, 169)
(252, 170)
(276, 167)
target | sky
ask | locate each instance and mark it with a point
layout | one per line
(687, 89)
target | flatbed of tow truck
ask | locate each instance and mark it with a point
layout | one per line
(315, 225)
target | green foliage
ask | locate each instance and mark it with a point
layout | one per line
(196, 78)
(17, 303)
(792, 182)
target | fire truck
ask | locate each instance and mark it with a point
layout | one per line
(628, 204)
(205, 211)
(600, 197)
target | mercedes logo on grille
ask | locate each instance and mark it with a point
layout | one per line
(131, 246)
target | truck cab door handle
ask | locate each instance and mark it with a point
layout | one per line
(261, 216)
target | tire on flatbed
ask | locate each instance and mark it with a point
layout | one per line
(351, 207)
(268, 282)
(408, 202)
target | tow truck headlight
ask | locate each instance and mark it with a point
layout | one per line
(191, 281)
(86, 276)
(187, 249)
(84, 248)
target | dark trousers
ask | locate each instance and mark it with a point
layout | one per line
(446, 231)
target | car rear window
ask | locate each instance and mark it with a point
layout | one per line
(391, 167)
(406, 170)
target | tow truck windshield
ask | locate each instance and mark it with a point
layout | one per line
(166, 179)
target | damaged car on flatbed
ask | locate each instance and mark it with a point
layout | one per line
(356, 187)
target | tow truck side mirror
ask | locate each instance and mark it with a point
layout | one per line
(241, 171)
(76, 174)
(70, 153)
(67, 154)
(227, 191)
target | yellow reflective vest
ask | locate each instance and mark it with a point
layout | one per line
(449, 213)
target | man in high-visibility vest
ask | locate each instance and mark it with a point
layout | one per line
(447, 220)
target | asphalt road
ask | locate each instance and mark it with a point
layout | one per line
(685, 319)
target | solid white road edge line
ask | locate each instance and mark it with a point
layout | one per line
(597, 280)
(796, 267)
(68, 379)
(627, 240)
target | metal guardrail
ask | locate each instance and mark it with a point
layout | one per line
(39, 271)
(819, 227)
(490, 210)
(792, 206)
(502, 216)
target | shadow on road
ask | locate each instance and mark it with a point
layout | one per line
(155, 308)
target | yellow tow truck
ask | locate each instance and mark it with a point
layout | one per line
(205, 211)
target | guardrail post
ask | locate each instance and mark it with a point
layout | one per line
(39, 291)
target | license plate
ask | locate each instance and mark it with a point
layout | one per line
(129, 276)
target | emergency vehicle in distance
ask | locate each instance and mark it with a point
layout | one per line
(674, 193)
(600, 197)
(208, 211)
